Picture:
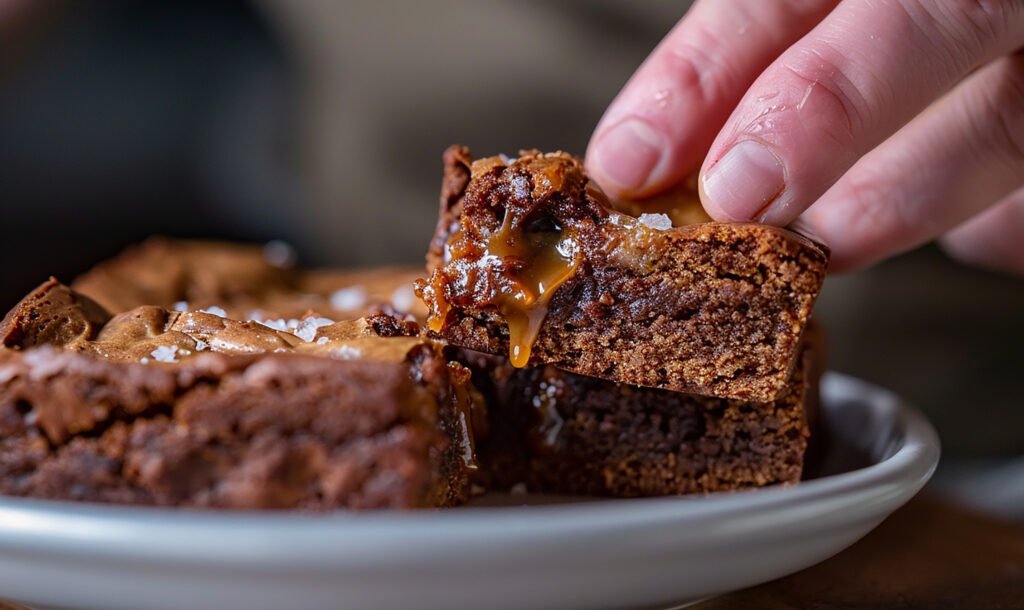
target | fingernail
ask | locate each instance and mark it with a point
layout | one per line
(627, 153)
(744, 182)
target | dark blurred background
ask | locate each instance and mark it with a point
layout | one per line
(322, 123)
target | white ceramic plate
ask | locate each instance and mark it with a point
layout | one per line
(658, 552)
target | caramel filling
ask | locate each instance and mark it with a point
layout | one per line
(543, 261)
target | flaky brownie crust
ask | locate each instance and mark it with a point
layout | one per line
(711, 308)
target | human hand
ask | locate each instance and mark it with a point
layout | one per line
(901, 121)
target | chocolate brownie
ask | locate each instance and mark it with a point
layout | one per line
(189, 408)
(560, 432)
(529, 259)
(250, 282)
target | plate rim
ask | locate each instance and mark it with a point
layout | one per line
(241, 538)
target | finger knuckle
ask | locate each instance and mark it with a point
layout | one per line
(971, 24)
(1007, 111)
(880, 210)
(844, 109)
(695, 69)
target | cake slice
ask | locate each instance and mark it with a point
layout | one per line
(553, 431)
(189, 408)
(530, 260)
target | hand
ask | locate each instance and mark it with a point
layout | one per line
(901, 121)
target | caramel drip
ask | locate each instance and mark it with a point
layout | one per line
(544, 261)
(463, 410)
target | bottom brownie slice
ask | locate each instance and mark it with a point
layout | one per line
(560, 432)
(193, 409)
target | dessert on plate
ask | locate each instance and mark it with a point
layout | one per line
(530, 259)
(562, 346)
(192, 408)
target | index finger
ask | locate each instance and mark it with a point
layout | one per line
(659, 127)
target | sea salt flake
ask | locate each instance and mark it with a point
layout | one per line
(349, 298)
(202, 345)
(144, 360)
(180, 306)
(216, 311)
(165, 353)
(659, 222)
(278, 324)
(307, 329)
(403, 298)
(279, 253)
(347, 352)
(322, 341)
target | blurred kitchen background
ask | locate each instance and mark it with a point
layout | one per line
(322, 123)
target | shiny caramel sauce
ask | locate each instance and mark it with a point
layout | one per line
(545, 260)
(465, 403)
(520, 265)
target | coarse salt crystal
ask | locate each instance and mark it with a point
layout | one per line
(322, 341)
(278, 324)
(216, 311)
(180, 306)
(307, 329)
(348, 298)
(279, 253)
(202, 345)
(403, 298)
(660, 222)
(165, 353)
(347, 352)
(144, 360)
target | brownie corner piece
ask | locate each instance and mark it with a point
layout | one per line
(530, 259)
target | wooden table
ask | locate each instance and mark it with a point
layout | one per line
(930, 555)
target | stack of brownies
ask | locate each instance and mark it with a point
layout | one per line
(561, 346)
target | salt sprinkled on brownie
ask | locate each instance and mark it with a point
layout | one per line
(278, 324)
(348, 298)
(165, 353)
(180, 306)
(347, 352)
(308, 327)
(216, 311)
(403, 298)
(322, 341)
(202, 345)
(659, 222)
(279, 253)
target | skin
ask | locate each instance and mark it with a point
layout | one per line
(885, 124)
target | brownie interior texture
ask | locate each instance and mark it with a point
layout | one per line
(530, 260)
